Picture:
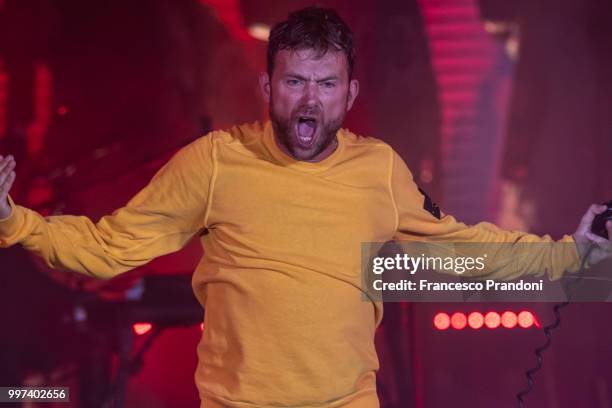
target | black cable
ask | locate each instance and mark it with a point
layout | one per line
(548, 332)
(137, 362)
(115, 395)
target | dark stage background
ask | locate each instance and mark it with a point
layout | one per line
(501, 109)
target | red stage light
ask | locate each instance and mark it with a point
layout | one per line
(508, 319)
(441, 321)
(458, 321)
(142, 328)
(526, 319)
(475, 320)
(492, 320)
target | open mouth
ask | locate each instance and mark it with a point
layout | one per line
(306, 128)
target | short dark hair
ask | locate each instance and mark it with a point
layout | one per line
(316, 28)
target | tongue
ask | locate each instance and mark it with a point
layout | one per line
(306, 129)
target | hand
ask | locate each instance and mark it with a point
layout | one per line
(583, 235)
(7, 177)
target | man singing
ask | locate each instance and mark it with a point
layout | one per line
(280, 209)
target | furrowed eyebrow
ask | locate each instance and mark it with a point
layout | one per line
(295, 76)
(329, 78)
(302, 78)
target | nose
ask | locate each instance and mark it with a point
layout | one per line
(311, 93)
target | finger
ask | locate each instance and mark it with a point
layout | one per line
(6, 187)
(594, 209)
(6, 162)
(596, 238)
(4, 172)
(11, 179)
(7, 158)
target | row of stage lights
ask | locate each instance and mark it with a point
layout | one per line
(489, 320)
(442, 321)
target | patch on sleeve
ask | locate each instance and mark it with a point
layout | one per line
(429, 205)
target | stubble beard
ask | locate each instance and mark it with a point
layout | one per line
(284, 129)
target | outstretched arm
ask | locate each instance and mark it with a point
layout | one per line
(160, 219)
(419, 221)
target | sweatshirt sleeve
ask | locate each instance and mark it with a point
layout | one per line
(418, 219)
(158, 220)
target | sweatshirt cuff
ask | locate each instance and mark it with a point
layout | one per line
(569, 257)
(9, 226)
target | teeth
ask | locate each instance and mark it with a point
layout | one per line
(305, 130)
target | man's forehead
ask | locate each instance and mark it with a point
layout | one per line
(307, 59)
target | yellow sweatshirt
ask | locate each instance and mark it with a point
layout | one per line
(285, 323)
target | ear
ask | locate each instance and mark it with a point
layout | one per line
(264, 85)
(353, 91)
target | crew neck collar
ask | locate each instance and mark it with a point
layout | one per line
(289, 161)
